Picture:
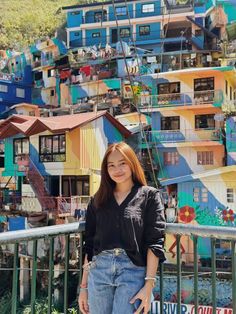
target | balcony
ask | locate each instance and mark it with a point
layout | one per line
(100, 17)
(186, 135)
(208, 97)
(229, 106)
(62, 272)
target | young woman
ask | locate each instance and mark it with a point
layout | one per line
(124, 238)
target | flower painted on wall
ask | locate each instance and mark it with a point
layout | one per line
(228, 215)
(186, 214)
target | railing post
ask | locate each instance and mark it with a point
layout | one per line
(66, 273)
(50, 274)
(178, 256)
(34, 276)
(233, 249)
(80, 256)
(195, 250)
(15, 279)
(213, 274)
(161, 271)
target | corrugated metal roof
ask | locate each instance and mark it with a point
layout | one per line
(32, 125)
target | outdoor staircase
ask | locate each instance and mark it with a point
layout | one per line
(37, 183)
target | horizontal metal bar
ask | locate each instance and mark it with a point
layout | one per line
(202, 231)
(76, 227)
(42, 232)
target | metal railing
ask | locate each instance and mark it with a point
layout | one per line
(99, 17)
(184, 135)
(214, 97)
(67, 231)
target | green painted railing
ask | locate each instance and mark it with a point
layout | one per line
(67, 231)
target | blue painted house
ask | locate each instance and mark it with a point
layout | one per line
(156, 25)
(15, 88)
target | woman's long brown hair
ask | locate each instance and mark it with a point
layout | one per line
(107, 185)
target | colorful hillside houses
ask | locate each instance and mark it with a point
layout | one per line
(52, 161)
(187, 118)
(206, 198)
(192, 142)
(179, 23)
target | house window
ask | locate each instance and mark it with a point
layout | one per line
(171, 158)
(51, 72)
(204, 121)
(205, 158)
(20, 148)
(170, 123)
(230, 93)
(230, 195)
(75, 185)
(148, 8)
(95, 35)
(124, 32)
(97, 16)
(52, 148)
(38, 76)
(198, 32)
(20, 92)
(144, 30)
(3, 88)
(52, 92)
(168, 88)
(226, 88)
(121, 11)
(204, 84)
(200, 195)
(204, 195)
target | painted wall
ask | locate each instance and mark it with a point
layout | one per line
(75, 39)
(93, 88)
(90, 40)
(157, 9)
(74, 18)
(9, 98)
(111, 13)
(81, 158)
(231, 140)
(155, 31)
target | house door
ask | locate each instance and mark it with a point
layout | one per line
(114, 36)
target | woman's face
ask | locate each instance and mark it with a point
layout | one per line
(118, 168)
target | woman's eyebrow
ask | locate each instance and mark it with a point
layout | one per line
(111, 162)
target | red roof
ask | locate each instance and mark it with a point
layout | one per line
(33, 125)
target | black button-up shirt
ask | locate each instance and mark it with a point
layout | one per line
(135, 225)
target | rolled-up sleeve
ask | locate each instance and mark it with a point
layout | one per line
(90, 229)
(154, 228)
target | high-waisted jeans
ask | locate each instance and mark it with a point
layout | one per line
(113, 281)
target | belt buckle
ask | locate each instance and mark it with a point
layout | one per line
(117, 252)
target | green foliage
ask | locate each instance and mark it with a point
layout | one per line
(25, 21)
(41, 307)
(5, 303)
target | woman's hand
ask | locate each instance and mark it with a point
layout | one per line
(83, 301)
(144, 295)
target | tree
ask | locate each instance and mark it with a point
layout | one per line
(24, 22)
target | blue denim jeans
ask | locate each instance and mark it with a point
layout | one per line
(113, 281)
